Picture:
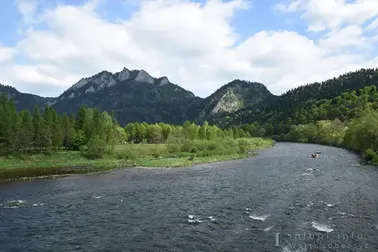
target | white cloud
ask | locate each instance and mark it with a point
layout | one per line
(6, 54)
(332, 14)
(350, 36)
(27, 9)
(193, 44)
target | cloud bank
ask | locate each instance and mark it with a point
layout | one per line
(192, 43)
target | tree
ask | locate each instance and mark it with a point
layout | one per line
(95, 149)
(79, 140)
(57, 130)
(68, 131)
(25, 131)
(39, 139)
(80, 118)
(131, 132)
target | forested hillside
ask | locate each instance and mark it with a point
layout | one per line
(278, 114)
(349, 120)
(135, 96)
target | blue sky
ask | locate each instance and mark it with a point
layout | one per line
(259, 17)
(46, 45)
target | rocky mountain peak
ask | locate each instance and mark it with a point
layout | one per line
(103, 79)
(123, 75)
(163, 81)
(143, 76)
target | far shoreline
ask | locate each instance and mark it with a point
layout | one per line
(8, 175)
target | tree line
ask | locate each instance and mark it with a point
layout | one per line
(295, 107)
(349, 120)
(160, 132)
(45, 130)
(92, 131)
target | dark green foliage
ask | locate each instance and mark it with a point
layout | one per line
(95, 148)
(79, 139)
(128, 153)
(369, 154)
(68, 131)
(131, 101)
(358, 132)
(139, 101)
(48, 131)
(331, 99)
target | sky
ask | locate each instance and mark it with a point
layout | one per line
(46, 46)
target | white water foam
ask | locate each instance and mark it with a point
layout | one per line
(321, 227)
(330, 205)
(211, 218)
(14, 203)
(195, 221)
(11, 207)
(97, 197)
(38, 204)
(248, 209)
(260, 218)
(268, 228)
(307, 174)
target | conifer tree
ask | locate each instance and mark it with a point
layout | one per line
(26, 131)
(38, 129)
(68, 131)
(57, 131)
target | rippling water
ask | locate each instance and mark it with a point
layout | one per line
(280, 200)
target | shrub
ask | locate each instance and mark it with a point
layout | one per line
(204, 153)
(173, 148)
(79, 140)
(187, 144)
(368, 154)
(95, 148)
(129, 154)
(193, 149)
(242, 149)
(155, 151)
(212, 146)
(375, 160)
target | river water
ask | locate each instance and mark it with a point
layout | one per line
(280, 200)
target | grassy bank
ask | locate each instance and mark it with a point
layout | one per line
(178, 152)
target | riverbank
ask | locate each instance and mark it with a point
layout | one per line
(60, 163)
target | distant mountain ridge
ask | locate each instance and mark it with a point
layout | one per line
(134, 95)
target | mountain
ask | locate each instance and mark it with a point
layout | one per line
(137, 96)
(131, 95)
(296, 106)
(23, 100)
(234, 96)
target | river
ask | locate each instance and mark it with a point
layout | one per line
(280, 200)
